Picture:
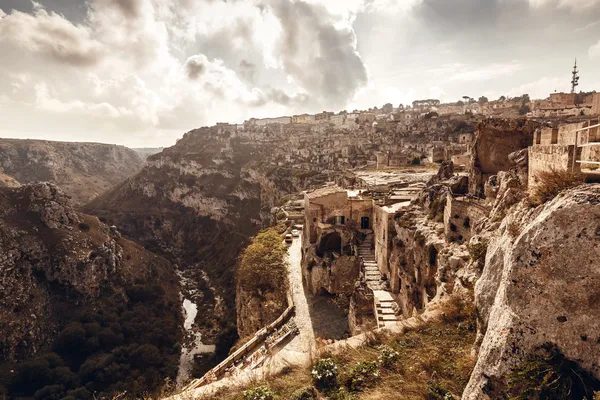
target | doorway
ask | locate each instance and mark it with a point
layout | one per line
(364, 223)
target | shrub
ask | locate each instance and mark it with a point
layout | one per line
(478, 250)
(259, 393)
(548, 374)
(324, 373)
(460, 309)
(551, 183)
(364, 375)
(307, 393)
(435, 391)
(387, 356)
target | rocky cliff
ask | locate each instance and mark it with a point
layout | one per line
(198, 203)
(540, 285)
(74, 290)
(82, 170)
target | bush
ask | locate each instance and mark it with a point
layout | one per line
(478, 250)
(435, 391)
(364, 375)
(324, 373)
(259, 393)
(548, 374)
(387, 356)
(551, 183)
(307, 393)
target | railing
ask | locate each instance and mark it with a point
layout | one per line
(258, 338)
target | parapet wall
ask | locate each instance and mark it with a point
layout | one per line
(548, 157)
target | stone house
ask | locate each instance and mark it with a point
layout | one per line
(333, 206)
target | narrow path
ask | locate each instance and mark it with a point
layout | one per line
(297, 352)
(383, 300)
(300, 349)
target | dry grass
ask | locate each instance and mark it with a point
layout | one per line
(552, 182)
(437, 353)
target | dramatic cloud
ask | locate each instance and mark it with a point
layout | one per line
(319, 55)
(141, 72)
(50, 35)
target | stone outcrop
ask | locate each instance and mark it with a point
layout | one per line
(331, 265)
(55, 262)
(257, 310)
(198, 203)
(424, 266)
(8, 181)
(81, 170)
(540, 284)
(495, 140)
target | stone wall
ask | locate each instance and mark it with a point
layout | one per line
(494, 141)
(460, 216)
(547, 157)
(381, 236)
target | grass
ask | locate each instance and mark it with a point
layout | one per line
(431, 359)
(551, 183)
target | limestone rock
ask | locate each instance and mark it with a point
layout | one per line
(541, 286)
(82, 170)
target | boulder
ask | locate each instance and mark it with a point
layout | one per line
(540, 284)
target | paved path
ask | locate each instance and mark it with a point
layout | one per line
(297, 352)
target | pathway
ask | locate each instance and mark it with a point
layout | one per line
(383, 300)
(298, 351)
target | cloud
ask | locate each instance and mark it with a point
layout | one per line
(194, 67)
(463, 72)
(594, 51)
(318, 53)
(52, 36)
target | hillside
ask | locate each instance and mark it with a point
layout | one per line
(82, 309)
(82, 170)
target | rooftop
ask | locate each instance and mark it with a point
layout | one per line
(325, 191)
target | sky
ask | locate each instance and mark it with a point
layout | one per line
(142, 72)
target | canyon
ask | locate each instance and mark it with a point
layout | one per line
(380, 248)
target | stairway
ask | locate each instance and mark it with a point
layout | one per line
(383, 300)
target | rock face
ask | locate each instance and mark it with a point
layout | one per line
(8, 181)
(55, 262)
(198, 203)
(540, 284)
(495, 140)
(82, 170)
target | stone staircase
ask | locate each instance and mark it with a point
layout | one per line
(384, 312)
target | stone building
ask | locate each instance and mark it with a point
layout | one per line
(333, 206)
(571, 147)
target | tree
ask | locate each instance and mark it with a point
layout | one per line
(262, 263)
(502, 98)
(482, 100)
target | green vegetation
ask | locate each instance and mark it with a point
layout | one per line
(263, 264)
(551, 183)
(478, 251)
(325, 373)
(259, 393)
(425, 363)
(548, 374)
(127, 344)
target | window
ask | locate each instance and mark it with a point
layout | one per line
(341, 220)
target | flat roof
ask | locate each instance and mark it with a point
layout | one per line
(396, 207)
(325, 191)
